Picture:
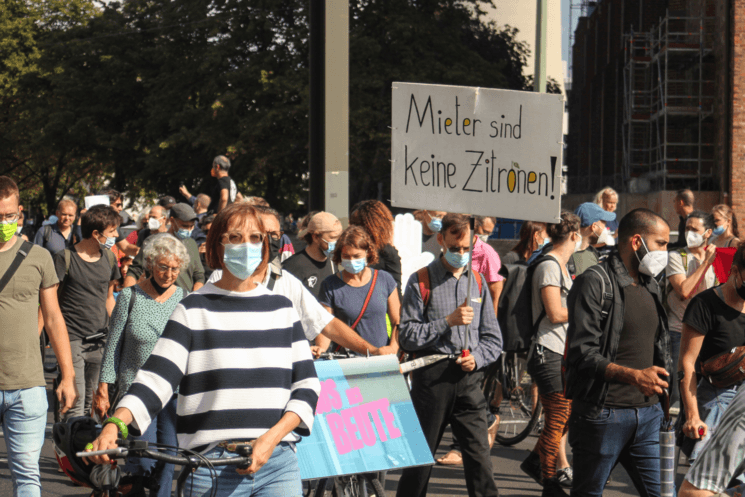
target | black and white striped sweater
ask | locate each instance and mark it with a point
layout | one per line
(240, 361)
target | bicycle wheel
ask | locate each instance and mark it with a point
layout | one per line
(376, 485)
(520, 409)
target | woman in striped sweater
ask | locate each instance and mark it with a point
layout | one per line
(242, 365)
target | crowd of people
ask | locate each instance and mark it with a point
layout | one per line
(195, 324)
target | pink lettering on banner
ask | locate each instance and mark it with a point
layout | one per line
(354, 396)
(329, 399)
(339, 433)
(346, 425)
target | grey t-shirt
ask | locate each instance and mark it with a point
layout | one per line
(683, 262)
(86, 287)
(550, 335)
(20, 361)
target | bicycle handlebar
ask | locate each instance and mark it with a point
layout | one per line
(193, 461)
(330, 356)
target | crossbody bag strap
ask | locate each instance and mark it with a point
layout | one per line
(367, 299)
(20, 255)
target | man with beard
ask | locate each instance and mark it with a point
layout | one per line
(592, 226)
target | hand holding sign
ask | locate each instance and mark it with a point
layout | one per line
(461, 316)
(467, 361)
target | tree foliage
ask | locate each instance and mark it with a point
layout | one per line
(146, 92)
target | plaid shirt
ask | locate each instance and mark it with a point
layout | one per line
(426, 330)
(721, 463)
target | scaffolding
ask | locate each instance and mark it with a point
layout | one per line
(668, 128)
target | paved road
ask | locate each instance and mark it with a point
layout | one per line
(445, 482)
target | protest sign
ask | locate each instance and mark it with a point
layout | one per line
(92, 200)
(477, 151)
(365, 421)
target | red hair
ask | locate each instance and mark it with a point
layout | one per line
(376, 219)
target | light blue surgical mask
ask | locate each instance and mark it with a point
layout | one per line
(183, 234)
(718, 231)
(242, 259)
(546, 241)
(456, 260)
(110, 240)
(435, 224)
(354, 266)
(330, 249)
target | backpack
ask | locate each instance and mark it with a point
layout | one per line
(606, 296)
(515, 310)
(68, 259)
(48, 236)
(425, 287)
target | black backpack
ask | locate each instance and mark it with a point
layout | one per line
(515, 310)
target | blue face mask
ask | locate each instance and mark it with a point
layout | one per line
(718, 231)
(435, 224)
(183, 234)
(456, 259)
(242, 259)
(545, 242)
(109, 242)
(330, 249)
(354, 266)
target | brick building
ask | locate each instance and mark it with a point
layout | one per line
(657, 102)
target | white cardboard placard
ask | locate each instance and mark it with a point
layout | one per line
(477, 151)
(92, 200)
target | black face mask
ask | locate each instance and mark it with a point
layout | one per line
(157, 287)
(274, 246)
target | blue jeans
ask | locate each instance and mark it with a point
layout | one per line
(628, 436)
(163, 431)
(24, 417)
(279, 477)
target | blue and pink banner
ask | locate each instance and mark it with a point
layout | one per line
(365, 421)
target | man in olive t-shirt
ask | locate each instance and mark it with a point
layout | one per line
(33, 288)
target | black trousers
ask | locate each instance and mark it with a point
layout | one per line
(443, 393)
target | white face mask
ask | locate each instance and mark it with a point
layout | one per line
(153, 224)
(652, 263)
(603, 238)
(483, 238)
(578, 245)
(693, 239)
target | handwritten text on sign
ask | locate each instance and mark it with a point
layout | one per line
(364, 422)
(477, 151)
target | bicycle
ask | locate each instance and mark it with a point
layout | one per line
(519, 409)
(107, 479)
(349, 485)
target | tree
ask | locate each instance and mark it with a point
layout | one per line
(442, 42)
(147, 92)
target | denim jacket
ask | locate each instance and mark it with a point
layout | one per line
(592, 343)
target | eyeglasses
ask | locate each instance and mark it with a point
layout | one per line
(164, 269)
(275, 235)
(9, 218)
(236, 237)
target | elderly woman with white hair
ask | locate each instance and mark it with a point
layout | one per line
(138, 320)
